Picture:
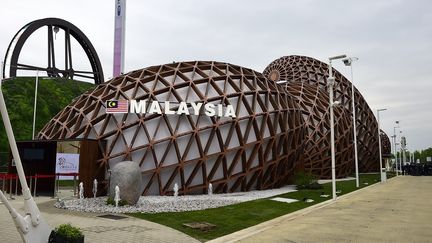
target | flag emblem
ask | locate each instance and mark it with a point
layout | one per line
(117, 106)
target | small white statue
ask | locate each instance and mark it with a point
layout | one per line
(117, 196)
(210, 189)
(175, 190)
(95, 184)
(81, 191)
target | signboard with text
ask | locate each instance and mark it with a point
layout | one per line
(67, 163)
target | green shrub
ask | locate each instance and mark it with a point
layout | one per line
(68, 231)
(305, 180)
(111, 201)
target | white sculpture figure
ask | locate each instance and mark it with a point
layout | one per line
(175, 190)
(210, 189)
(81, 191)
(117, 196)
(95, 184)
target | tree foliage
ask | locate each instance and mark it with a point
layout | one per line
(418, 154)
(53, 95)
(423, 154)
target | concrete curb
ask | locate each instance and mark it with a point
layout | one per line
(245, 233)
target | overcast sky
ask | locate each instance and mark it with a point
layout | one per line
(391, 38)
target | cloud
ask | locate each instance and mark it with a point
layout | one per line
(390, 37)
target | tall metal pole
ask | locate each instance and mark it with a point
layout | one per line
(394, 149)
(379, 147)
(403, 143)
(35, 103)
(330, 83)
(400, 160)
(119, 37)
(394, 146)
(396, 158)
(354, 123)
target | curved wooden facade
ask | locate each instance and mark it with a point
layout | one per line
(314, 103)
(258, 149)
(277, 128)
(314, 72)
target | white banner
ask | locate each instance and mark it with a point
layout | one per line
(67, 163)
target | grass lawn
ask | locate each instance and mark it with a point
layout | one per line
(68, 183)
(235, 217)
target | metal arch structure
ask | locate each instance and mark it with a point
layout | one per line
(314, 103)
(258, 149)
(15, 47)
(314, 72)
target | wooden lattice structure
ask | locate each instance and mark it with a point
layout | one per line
(314, 103)
(385, 148)
(258, 149)
(294, 69)
(385, 145)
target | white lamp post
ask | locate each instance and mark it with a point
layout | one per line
(348, 62)
(396, 158)
(400, 155)
(403, 146)
(330, 84)
(382, 171)
(394, 146)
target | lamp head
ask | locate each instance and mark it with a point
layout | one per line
(337, 57)
(347, 61)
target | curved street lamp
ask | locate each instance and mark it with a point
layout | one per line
(382, 170)
(348, 62)
(332, 103)
(394, 146)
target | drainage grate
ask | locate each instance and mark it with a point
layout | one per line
(111, 216)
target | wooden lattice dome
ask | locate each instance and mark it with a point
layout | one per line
(314, 103)
(294, 69)
(258, 149)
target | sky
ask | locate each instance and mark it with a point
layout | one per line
(391, 38)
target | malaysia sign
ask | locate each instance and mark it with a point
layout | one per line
(169, 108)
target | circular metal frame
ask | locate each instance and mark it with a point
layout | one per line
(17, 43)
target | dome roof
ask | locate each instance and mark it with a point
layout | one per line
(259, 148)
(314, 72)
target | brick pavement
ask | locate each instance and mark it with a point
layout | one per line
(95, 229)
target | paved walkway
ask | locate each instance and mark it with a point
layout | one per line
(397, 211)
(95, 229)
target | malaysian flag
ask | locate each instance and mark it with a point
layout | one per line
(117, 106)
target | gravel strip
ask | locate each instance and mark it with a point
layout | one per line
(158, 204)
